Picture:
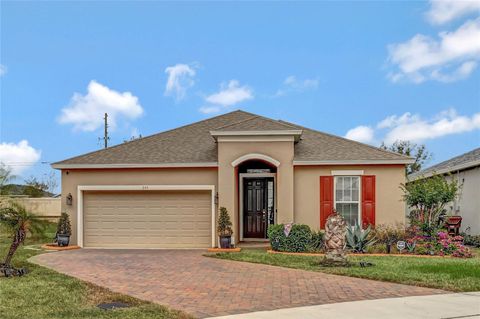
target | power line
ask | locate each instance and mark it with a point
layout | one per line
(42, 162)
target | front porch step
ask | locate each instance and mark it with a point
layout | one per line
(254, 244)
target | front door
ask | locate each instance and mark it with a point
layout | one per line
(256, 206)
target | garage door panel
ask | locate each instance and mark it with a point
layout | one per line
(149, 219)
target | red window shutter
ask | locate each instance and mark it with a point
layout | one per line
(368, 200)
(326, 199)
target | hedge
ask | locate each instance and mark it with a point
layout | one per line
(300, 239)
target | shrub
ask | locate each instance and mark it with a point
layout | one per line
(420, 249)
(300, 239)
(376, 249)
(317, 242)
(471, 240)
(388, 235)
(277, 237)
(359, 240)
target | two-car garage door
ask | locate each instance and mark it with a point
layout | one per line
(147, 219)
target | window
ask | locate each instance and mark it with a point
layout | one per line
(347, 198)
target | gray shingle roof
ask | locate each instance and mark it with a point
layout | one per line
(256, 123)
(319, 146)
(193, 143)
(460, 162)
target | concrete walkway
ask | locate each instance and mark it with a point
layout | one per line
(448, 306)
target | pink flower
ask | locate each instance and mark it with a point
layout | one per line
(442, 235)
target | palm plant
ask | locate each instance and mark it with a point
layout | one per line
(19, 222)
(358, 240)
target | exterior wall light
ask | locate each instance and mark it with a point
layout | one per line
(69, 199)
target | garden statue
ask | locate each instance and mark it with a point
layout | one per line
(335, 231)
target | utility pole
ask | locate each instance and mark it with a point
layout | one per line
(105, 136)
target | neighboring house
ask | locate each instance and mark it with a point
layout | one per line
(465, 169)
(164, 190)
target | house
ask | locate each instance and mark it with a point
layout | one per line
(465, 169)
(164, 190)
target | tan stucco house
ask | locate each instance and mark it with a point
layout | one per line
(164, 190)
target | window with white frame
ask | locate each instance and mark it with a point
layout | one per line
(347, 198)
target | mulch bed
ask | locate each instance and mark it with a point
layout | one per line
(224, 250)
(351, 254)
(59, 248)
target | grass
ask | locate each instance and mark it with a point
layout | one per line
(452, 274)
(44, 293)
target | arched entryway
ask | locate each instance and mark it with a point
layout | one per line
(256, 196)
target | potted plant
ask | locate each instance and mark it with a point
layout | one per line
(64, 230)
(224, 228)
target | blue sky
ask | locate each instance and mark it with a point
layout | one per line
(371, 71)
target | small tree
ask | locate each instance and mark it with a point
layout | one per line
(427, 197)
(5, 176)
(38, 188)
(63, 226)
(19, 222)
(224, 223)
(407, 148)
(35, 187)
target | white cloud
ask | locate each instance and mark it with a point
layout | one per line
(210, 109)
(230, 94)
(452, 56)
(293, 84)
(364, 134)
(3, 70)
(180, 78)
(86, 112)
(460, 73)
(443, 11)
(413, 127)
(395, 120)
(19, 157)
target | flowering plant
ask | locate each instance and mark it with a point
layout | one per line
(447, 245)
(440, 244)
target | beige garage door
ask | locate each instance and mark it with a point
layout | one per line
(147, 219)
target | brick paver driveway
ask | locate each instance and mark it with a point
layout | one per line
(188, 281)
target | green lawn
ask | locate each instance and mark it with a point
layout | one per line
(445, 273)
(44, 293)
